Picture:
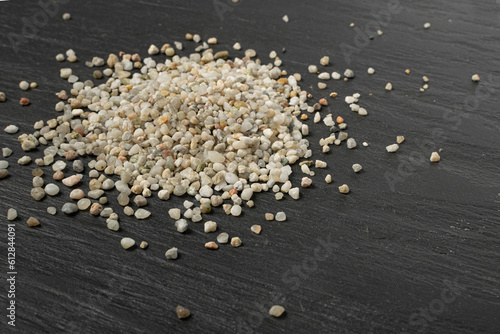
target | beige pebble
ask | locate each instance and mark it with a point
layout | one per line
(182, 312)
(269, 216)
(344, 189)
(276, 311)
(32, 222)
(256, 229)
(236, 242)
(76, 194)
(95, 209)
(211, 245)
(435, 157)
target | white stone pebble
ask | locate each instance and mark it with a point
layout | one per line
(11, 214)
(51, 210)
(223, 238)
(280, 216)
(142, 214)
(371, 70)
(174, 213)
(392, 148)
(51, 189)
(181, 225)
(435, 157)
(4, 164)
(357, 168)
(127, 243)
(172, 253)
(11, 129)
(210, 226)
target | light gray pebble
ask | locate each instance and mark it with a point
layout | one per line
(11, 214)
(223, 238)
(172, 253)
(69, 208)
(4, 164)
(181, 225)
(51, 210)
(78, 166)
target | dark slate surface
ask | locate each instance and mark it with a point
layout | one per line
(420, 255)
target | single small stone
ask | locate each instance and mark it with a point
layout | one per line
(221, 55)
(96, 209)
(236, 242)
(76, 194)
(236, 210)
(328, 178)
(250, 53)
(306, 182)
(128, 211)
(103, 200)
(66, 16)
(58, 165)
(51, 189)
(357, 168)
(6, 152)
(181, 225)
(237, 46)
(212, 245)
(4, 164)
(348, 73)
(140, 200)
(3, 173)
(285, 18)
(182, 312)
(276, 311)
(223, 238)
(256, 229)
(59, 175)
(142, 214)
(37, 193)
(435, 157)
(32, 222)
(351, 143)
(206, 207)
(153, 49)
(324, 60)
(212, 40)
(371, 70)
(24, 160)
(11, 214)
(280, 216)
(113, 225)
(294, 193)
(392, 148)
(388, 86)
(171, 254)
(11, 129)
(476, 78)
(84, 204)
(174, 213)
(427, 25)
(2, 97)
(24, 85)
(321, 85)
(127, 243)
(312, 69)
(69, 208)
(400, 139)
(144, 245)
(210, 226)
(95, 194)
(344, 189)
(269, 216)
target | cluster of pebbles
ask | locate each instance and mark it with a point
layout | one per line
(216, 129)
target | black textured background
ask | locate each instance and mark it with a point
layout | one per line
(393, 252)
